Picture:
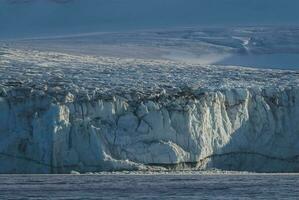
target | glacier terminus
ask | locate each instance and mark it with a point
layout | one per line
(63, 112)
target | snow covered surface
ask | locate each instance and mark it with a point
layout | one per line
(64, 112)
(261, 47)
(92, 77)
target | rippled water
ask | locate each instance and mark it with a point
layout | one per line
(149, 186)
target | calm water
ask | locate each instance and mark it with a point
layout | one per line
(271, 61)
(149, 186)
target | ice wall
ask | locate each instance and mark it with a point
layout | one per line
(254, 129)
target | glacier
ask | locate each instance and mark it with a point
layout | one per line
(61, 112)
(247, 46)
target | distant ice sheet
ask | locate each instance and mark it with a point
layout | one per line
(262, 47)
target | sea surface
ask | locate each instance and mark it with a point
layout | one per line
(266, 61)
(121, 186)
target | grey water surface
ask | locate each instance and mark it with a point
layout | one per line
(267, 61)
(256, 186)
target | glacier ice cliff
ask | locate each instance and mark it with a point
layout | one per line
(60, 112)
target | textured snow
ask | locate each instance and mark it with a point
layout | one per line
(94, 77)
(62, 112)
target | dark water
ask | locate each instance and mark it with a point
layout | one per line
(149, 186)
(270, 61)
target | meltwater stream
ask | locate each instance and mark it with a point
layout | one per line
(215, 186)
